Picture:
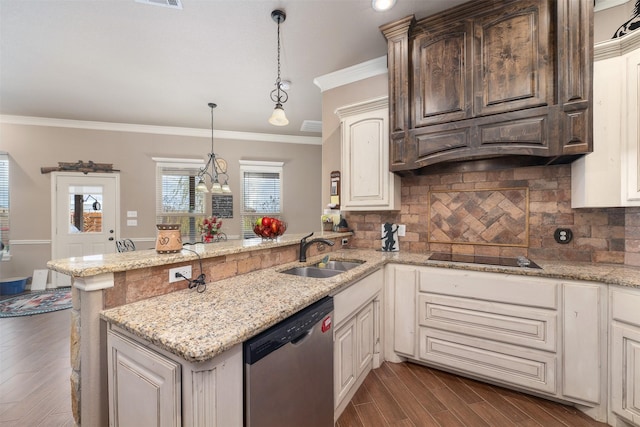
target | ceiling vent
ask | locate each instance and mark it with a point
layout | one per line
(311, 126)
(173, 4)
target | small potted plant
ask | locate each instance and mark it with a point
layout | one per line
(210, 228)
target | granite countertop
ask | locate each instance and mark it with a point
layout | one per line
(199, 326)
(92, 265)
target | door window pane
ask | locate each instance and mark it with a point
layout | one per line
(85, 209)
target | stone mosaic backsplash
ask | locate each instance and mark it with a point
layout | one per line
(480, 217)
(606, 235)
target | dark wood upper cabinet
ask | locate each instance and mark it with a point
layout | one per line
(498, 79)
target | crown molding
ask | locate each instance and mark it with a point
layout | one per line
(616, 47)
(362, 107)
(371, 68)
(159, 130)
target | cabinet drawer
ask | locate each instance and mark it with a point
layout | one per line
(624, 306)
(510, 289)
(504, 363)
(524, 326)
(348, 301)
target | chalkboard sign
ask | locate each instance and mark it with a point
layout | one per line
(222, 206)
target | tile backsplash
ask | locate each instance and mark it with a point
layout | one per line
(608, 235)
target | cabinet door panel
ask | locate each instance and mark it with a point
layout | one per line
(144, 387)
(404, 311)
(625, 372)
(581, 345)
(505, 363)
(344, 360)
(442, 76)
(632, 131)
(365, 336)
(512, 58)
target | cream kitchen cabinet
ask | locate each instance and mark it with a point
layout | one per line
(144, 386)
(148, 386)
(539, 335)
(367, 183)
(624, 357)
(400, 313)
(609, 176)
(357, 336)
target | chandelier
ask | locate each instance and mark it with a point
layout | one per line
(218, 170)
(278, 95)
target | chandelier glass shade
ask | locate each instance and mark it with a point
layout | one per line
(278, 95)
(215, 169)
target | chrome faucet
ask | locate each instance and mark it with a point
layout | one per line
(304, 245)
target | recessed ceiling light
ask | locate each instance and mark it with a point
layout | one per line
(382, 5)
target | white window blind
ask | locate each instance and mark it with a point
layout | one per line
(177, 201)
(4, 203)
(261, 193)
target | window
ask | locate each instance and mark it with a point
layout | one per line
(4, 205)
(177, 201)
(261, 184)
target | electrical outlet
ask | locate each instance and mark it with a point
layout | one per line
(345, 241)
(185, 270)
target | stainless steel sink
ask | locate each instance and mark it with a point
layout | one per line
(340, 265)
(312, 272)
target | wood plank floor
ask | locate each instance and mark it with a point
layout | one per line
(407, 394)
(34, 370)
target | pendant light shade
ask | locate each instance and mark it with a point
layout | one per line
(278, 95)
(278, 117)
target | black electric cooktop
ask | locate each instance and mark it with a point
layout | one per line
(520, 262)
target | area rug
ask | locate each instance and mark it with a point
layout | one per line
(36, 303)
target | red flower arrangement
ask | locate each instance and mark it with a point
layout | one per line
(210, 228)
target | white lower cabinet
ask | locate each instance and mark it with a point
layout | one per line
(541, 335)
(150, 387)
(357, 337)
(624, 398)
(144, 386)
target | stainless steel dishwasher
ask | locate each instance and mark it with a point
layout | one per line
(288, 371)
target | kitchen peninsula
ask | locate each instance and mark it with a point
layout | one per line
(198, 328)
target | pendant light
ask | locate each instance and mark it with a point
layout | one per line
(218, 169)
(278, 95)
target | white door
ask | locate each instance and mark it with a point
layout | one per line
(85, 217)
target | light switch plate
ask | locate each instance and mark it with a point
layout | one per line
(132, 222)
(402, 230)
(132, 214)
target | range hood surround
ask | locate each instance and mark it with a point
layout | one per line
(491, 85)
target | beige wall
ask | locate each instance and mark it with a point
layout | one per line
(607, 21)
(32, 147)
